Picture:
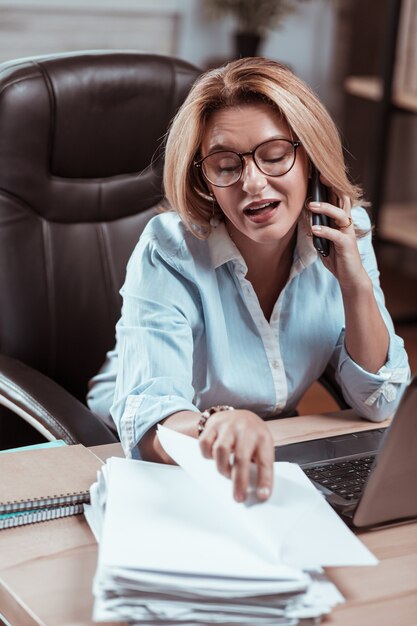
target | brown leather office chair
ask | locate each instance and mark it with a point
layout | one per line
(80, 175)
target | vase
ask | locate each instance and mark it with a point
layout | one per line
(247, 44)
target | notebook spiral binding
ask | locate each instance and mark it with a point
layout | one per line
(54, 501)
(40, 515)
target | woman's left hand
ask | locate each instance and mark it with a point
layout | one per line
(344, 259)
(366, 335)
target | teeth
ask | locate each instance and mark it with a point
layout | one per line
(256, 209)
(262, 206)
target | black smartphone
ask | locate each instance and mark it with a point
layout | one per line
(318, 193)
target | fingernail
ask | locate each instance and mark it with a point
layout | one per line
(316, 229)
(263, 493)
(315, 204)
(239, 497)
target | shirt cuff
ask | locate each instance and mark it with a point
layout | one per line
(377, 388)
(141, 412)
(389, 387)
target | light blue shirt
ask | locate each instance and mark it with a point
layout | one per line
(192, 334)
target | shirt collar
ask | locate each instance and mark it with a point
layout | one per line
(223, 249)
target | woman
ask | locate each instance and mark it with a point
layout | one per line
(226, 302)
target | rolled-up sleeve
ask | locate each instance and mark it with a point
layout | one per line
(374, 396)
(155, 345)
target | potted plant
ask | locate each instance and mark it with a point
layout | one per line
(254, 18)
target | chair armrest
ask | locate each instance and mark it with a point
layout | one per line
(48, 407)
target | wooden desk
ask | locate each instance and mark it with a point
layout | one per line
(46, 569)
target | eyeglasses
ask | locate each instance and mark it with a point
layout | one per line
(274, 157)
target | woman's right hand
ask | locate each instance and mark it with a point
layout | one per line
(235, 439)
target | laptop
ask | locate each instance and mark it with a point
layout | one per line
(369, 477)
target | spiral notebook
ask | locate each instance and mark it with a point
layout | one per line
(43, 484)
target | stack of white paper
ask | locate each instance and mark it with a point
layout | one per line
(175, 548)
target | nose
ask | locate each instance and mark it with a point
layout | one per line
(253, 180)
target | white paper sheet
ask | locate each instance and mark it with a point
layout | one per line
(320, 537)
(296, 515)
(159, 518)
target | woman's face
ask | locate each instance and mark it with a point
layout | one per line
(259, 207)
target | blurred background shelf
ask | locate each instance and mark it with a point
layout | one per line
(371, 88)
(398, 223)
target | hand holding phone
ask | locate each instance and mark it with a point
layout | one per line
(319, 194)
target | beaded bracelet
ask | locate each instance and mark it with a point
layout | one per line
(208, 412)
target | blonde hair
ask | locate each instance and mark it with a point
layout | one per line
(247, 80)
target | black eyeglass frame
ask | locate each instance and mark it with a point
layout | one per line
(295, 144)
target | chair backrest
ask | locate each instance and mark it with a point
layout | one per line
(80, 175)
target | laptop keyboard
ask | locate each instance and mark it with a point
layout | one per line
(346, 478)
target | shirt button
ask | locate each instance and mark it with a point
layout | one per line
(275, 364)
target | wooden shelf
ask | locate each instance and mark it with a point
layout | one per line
(370, 88)
(406, 101)
(398, 223)
(394, 90)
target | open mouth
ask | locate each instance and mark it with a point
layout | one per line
(264, 208)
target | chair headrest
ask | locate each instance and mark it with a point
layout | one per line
(81, 130)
